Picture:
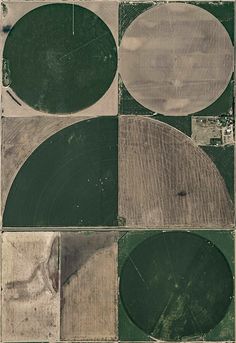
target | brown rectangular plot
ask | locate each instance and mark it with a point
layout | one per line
(89, 286)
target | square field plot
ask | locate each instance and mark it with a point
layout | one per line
(59, 286)
(176, 59)
(166, 180)
(59, 172)
(66, 66)
(176, 285)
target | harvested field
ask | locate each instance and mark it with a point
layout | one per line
(176, 59)
(164, 179)
(30, 287)
(89, 286)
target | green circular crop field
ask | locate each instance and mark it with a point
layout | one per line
(175, 285)
(69, 180)
(61, 58)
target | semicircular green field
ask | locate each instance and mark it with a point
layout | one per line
(61, 58)
(175, 285)
(69, 180)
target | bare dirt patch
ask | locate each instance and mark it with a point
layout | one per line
(30, 286)
(89, 288)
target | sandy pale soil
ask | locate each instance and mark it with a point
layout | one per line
(30, 287)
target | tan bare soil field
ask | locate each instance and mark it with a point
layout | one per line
(165, 179)
(176, 59)
(89, 286)
(31, 299)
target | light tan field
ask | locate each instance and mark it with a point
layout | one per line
(176, 58)
(20, 137)
(31, 300)
(89, 286)
(164, 179)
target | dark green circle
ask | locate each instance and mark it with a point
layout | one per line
(54, 70)
(68, 180)
(175, 285)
